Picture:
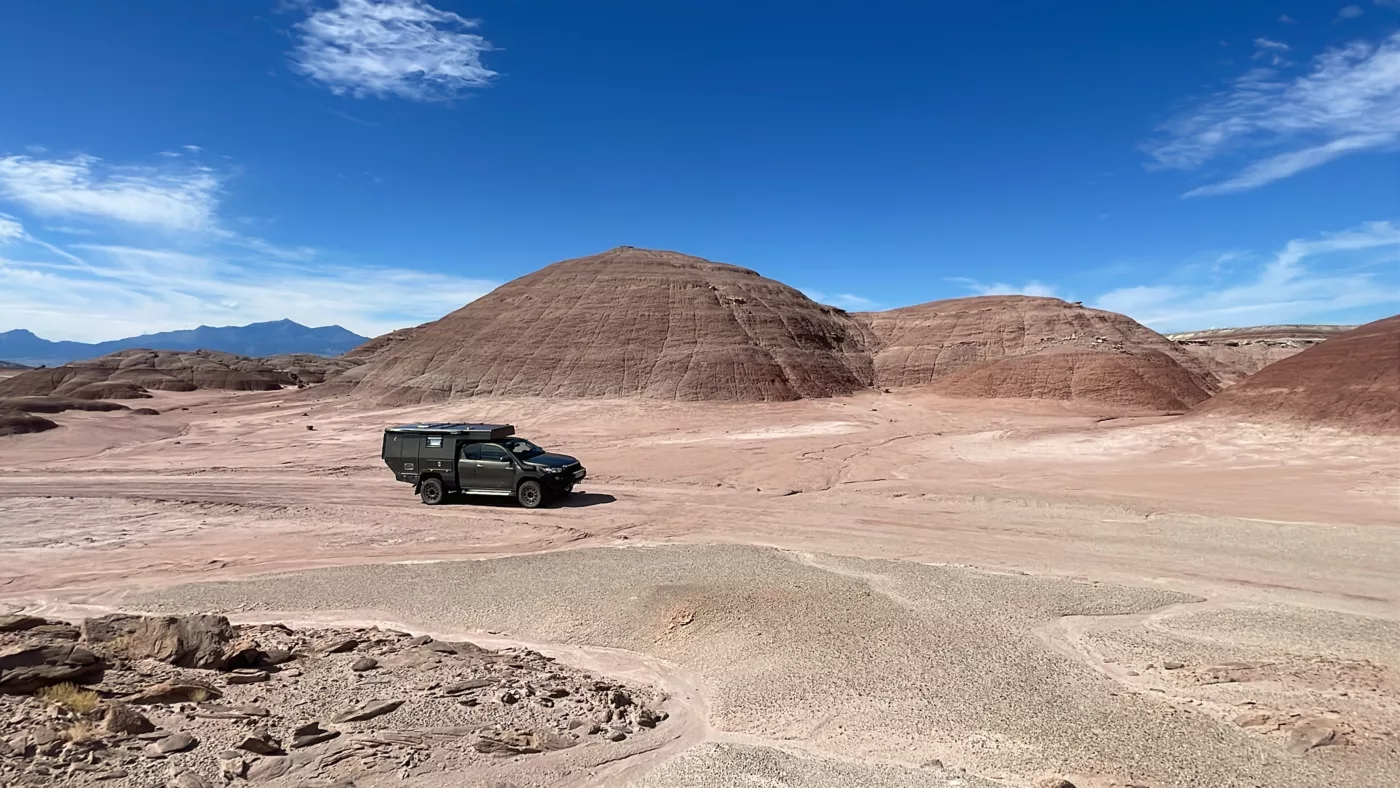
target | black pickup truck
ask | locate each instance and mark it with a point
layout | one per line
(439, 459)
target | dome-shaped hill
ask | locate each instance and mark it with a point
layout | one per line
(130, 374)
(1026, 346)
(1351, 381)
(627, 323)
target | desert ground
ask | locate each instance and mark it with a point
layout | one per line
(882, 589)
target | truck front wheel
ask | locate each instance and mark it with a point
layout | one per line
(530, 494)
(432, 492)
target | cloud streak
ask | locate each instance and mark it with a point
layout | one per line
(85, 186)
(1305, 279)
(1347, 102)
(403, 49)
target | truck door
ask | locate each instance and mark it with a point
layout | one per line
(494, 470)
(466, 466)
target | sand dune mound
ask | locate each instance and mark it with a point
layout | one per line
(1026, 346)
(628, 323)
(131, 374)
(1351, 381)
(1235, 353)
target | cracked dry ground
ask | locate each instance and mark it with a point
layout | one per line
(274, 706)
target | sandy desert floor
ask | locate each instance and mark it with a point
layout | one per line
(883, 590)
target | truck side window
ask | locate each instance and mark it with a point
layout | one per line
(471, 451)
(434, 441)
(493, 453)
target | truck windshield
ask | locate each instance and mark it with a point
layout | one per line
(521, 448)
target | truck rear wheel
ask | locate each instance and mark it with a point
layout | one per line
(432, 492)
(530, 495)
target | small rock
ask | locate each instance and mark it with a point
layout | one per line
(174, 691)
(275, 656)
(122, 720)
(184, 778)
(340, 645)
(620, 699)
(1133, 673)
(1310, 733)
(175, 742)
(269, 768)
(617, 736)
(364, 663)
(231, 765)
(246, 676)
(20, 623)
(260, 743)
(421, 640)
(466, 686)
(368, 710)
(1054, 782)
(251, 710)
(311, 734)
(1252, 719)
(1170, 665)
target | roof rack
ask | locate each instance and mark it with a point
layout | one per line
(466, 430)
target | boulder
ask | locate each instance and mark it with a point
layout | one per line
(200, 641)
(122, 720)
(25, 669)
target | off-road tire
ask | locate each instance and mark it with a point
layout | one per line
(432, 492)
(530, 494)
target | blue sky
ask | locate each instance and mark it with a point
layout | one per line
(378, 163)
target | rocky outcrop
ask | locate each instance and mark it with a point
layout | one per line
(25, 669)
(1236, 353)
(429, 710)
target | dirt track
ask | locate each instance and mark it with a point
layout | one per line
(1283, 535)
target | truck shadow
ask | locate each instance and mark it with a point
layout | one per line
(581, 499)
(578, 500)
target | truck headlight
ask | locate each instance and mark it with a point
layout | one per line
(553, 470)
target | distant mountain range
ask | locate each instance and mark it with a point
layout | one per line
(256, 339)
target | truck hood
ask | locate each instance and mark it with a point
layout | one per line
(552, 460)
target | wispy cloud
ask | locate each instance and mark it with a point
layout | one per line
(1347, 102)
(846, 301)
(1350, 12)
(391, 48)
(1031, 288)
(1305, 279)
(10, 229)
(85, 186)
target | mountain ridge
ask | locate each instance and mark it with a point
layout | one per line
(268, 338)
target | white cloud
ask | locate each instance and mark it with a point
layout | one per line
(10, 228)
(1349, 101)
(1285, 164)
(1031, 288)
(84, 186)
(391, 48)
(192, 148)
(847, 301)
(122, 291)
(1343, 271)
(1350, 12)
(1265, 43)
(1286, 19)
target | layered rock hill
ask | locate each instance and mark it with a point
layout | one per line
(1351, 381)
(1032, 347)
(132, 374)
(1235, 353)
(626, 323)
